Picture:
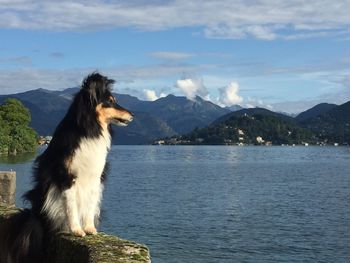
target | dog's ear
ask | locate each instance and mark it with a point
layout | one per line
(95, 85)
(91, 84)
(110, 83)
(92, 93)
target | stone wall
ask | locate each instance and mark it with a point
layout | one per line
(7, 188)
(100, 248)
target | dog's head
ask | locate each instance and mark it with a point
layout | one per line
(98, 90)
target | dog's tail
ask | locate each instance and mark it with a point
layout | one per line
(21, 238)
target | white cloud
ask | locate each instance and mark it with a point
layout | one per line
(20, 60)
(229, 95)
(151, 95)
(14, 81)
(265, 19)
(253, 102)
(230, 32)
(191, 87)
(138, 77)
(167, 55)
(155, 71)
(261, 32)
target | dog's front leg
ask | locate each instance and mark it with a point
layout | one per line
(72, 212)
(93, 211)
(88, 221)
(89, 226)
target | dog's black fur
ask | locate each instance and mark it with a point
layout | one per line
(24, 235)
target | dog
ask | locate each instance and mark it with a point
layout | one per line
(68, 176)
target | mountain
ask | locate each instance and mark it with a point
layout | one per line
(258, 126)
(332, 125)
(252, 111)
(234, 108)
(142, 130)
(161, 118)
(174, 115)
(323, 124)
(315, 111)
(182, 114)
(131, 102)
(46, 107)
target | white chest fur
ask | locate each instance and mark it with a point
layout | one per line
(89, 160)
(79, 206)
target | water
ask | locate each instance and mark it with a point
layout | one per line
(228, 204)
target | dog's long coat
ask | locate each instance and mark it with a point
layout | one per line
(68, 176)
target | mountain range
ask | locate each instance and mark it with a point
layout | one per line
(164, 117)
(322, 124)
(174, 116)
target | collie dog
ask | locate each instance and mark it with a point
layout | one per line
(68, 176)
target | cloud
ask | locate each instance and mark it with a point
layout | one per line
(151, 95)
(21, 60)
(14, 81)
(344, 80)
(229, 95)
(253, 102)
(166, 55)
(192, 87)
(156, 71)
(57, 55)
(127, 76)
(229, 32)
(261, 32)
(265, 19)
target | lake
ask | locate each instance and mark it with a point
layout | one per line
(192, 204)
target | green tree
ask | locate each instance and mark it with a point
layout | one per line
(4, 136)
(15, 134)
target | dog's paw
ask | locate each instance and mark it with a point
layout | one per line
(90, 230)
(78, 232)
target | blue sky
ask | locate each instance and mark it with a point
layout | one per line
(282, 55)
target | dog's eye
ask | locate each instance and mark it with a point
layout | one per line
(111, 100)
(107, 103)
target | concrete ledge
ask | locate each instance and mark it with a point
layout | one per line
(6, 212)
(100, 248)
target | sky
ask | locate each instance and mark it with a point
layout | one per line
(284, 55)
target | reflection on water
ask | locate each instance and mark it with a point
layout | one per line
(22, 164)
(19, 158)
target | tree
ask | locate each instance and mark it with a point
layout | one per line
(15, 134)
